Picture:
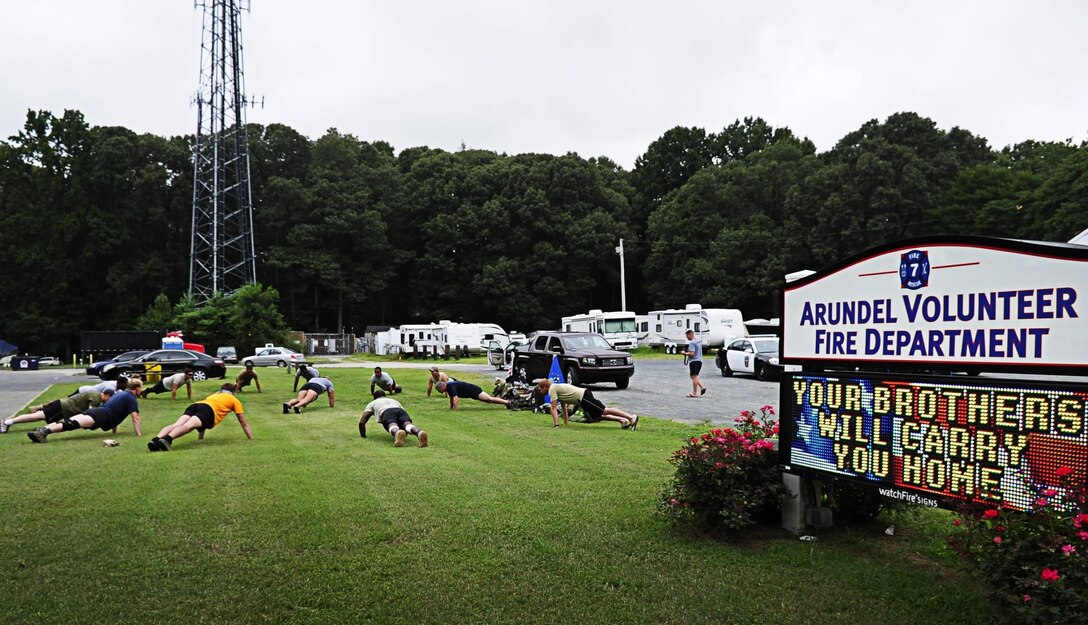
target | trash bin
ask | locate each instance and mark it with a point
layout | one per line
(24, 363)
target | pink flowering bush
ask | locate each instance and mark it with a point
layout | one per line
(1033, 563)
(727, 478)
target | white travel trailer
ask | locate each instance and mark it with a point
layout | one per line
(618, 327)
(477, 336)
(408, 336)
(642, 328)
(722, 326)
(713, 326)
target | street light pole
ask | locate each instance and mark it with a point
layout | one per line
(623, 279)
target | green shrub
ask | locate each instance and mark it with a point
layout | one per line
(1033, 563)
(727, 478)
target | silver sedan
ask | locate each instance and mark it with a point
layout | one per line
(274, 356)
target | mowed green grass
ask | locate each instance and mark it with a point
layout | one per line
(503, 519)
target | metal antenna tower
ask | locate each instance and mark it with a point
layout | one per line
(222, 255)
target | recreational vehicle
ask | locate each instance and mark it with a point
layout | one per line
(476, 336)
(722, 326)
(712, 326)
(642, 328)
(408, 336)
(618, 327)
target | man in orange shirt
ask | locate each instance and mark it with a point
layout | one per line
(201, 416)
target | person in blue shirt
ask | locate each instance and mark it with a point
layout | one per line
(694, 356)
(106, 417)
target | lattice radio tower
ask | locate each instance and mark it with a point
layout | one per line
(222, 255)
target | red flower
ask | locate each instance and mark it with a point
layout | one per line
(1082, 535)
(1027, 598)
(1080, 519)
(999, 528)
(997, 539)
(1050, 575)
(1063, 472)
(1050, 492)
(989, 514)
(956, 522)
(1041, 502)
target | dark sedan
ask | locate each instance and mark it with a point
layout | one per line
(96, 368)
(584, 358)
(167, 362)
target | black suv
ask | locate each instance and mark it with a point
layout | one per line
(584, 358)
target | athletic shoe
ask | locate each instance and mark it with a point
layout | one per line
(4, 427)
(398, 441)
(286, 408)
(634, 422)
(297, 411)
(38, 435)
(153, 444)
(164, 445)
(423, 441)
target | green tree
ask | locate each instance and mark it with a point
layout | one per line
(723, 239)
(880, 183)
(341, 225)
(158, 316)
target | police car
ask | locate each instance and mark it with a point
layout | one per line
(756, 354)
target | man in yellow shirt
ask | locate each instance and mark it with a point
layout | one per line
(201, 416)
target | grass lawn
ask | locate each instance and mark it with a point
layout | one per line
(501, 520)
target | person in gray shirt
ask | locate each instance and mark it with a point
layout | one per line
(384, 381)
(306, 372)
(310, 392)
(694, 355)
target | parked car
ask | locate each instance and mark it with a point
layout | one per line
(48, 361)
(96, 368)
(584, 358)
(757, 355)
(273, 356)
(167, 362)
(228, 354)
(6, 361)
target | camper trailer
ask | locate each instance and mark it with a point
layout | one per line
(712, 326)
(642, 328)
(722, 326)
(618, 327)
(477, 336)
(405, 338)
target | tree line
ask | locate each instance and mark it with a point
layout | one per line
(95, 221)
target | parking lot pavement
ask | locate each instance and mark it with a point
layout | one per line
(17, 388)
(659, 387)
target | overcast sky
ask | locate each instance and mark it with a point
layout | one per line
(600, 78)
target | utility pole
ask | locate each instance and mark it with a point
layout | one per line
(222, 257)
(623, 278)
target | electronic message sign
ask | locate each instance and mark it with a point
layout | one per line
(936, 441)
